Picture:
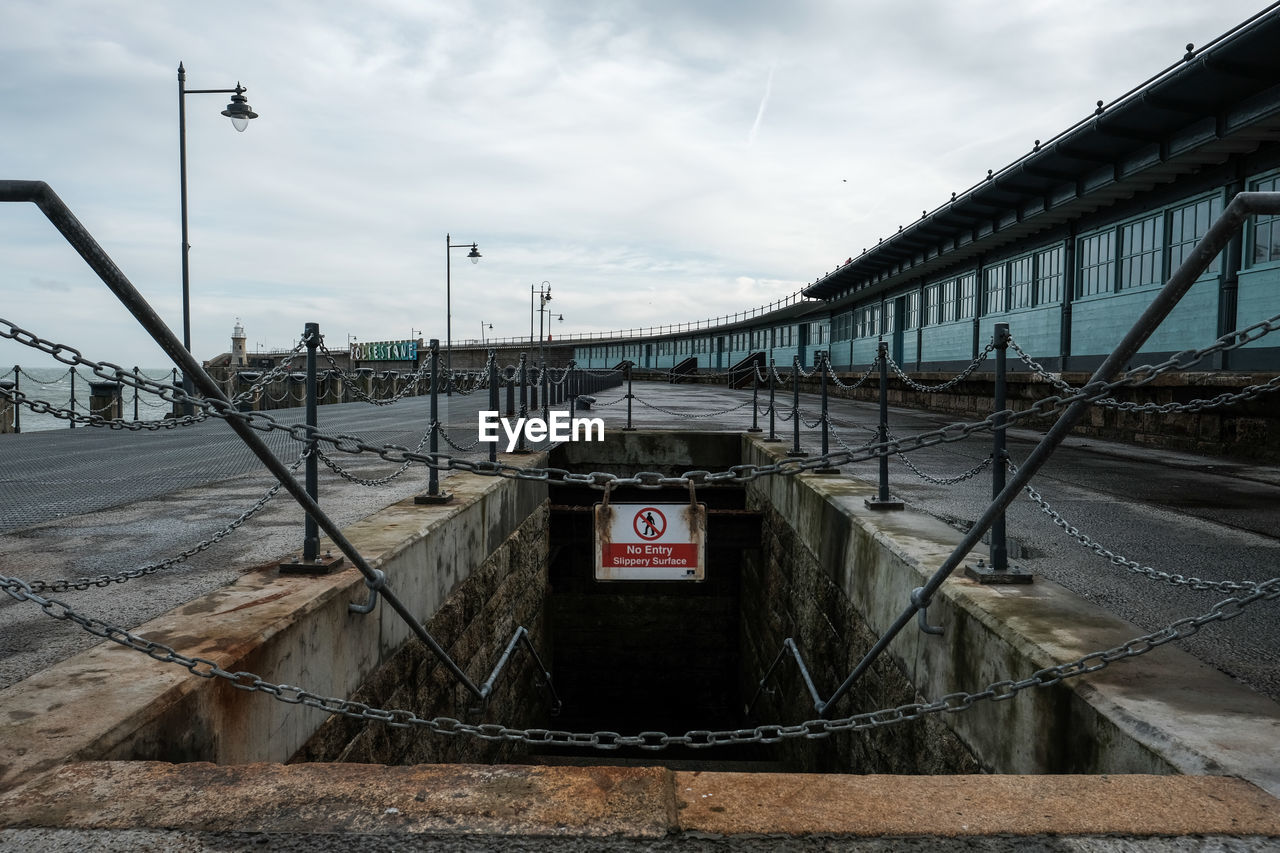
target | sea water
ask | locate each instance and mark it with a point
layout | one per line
(54, 386)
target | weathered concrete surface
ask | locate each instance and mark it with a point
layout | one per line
(625, 802)
(114, 703)
(1162, 713)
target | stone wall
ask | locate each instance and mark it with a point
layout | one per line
(473, 625)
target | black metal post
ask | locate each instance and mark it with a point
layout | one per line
(71, 422)
(434, 495)
(511, 393)
(545, 381)
(999, 571)
(137, 375)
(524, 402)
(17, 410)
(312, 563)
(628, 427)
(755, 401)
(824, 364)
(493, 398)
(570, 378)
(882, 499)
(795, 407)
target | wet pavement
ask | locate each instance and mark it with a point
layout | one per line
(86, 502)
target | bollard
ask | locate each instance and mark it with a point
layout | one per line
(773, 432)
(312, 563)
(755, 401)
(882, 499)
(8, 408)
(795, 407)
(524, 402)
(434, 495)
(628, 427)
(106, 399)
(999, 571)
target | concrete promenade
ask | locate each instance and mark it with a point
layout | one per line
(141, 497)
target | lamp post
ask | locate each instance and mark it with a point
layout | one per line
(240, 113)
(474, 255)
(483, 326)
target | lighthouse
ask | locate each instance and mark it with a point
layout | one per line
(238, 357)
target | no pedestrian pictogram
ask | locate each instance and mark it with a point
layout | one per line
(650, 542)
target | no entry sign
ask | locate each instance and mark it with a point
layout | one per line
(651, 542)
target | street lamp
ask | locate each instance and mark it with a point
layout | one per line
(474, 255)
(240, 113)
(483, 326)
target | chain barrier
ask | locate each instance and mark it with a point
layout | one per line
(997, 691)
(831, 374)
(352, 381)
(1198, 405)
(692, 416)
(444, 433)
(1085, 541)
(950, 383)
(946, 481)
(361, 481)
(84, 583)
(840, 441)
(44, 384)
(263, 422)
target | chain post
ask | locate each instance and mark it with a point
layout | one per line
(312, 563)
(493, 398)
(795, 408)
(136, 374)
(773, 432)
(433, 494)
(545, 381)
(824, 364)
(17, 410)
(71, 423)
(999, 571)
(569, 380)
(630, 396)
(755, 400)
(883, 499)
(524, 402)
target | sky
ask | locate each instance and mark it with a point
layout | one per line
(651, 162)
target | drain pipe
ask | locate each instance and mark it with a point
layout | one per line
(1214, 240)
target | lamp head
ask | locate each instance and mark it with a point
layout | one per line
(239, 110)
(474, 255)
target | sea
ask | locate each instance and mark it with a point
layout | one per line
(54, 386)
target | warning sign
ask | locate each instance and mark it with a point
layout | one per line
(650, 542)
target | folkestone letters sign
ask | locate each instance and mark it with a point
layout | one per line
(385, 351)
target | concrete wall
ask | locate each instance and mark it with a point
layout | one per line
(1162, 713)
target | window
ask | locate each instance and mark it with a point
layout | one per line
(890, 316)
(994, 280)
(966, 287)
(932, 302)
(1049, 276)
(1265, 232)
(1141, 244)
(912, 320)
(1187, 225)
(842, 327)
(950, 306)
(1020, 280)
(1097, 264)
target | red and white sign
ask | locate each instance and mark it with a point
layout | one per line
(650, 541)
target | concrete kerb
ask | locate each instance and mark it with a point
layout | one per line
(1162, 713)
(111, 702)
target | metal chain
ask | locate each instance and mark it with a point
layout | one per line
(43, 383)
(106, 580)
(950, 383)
(688, 415)
(444, 433)
(946, 481)
(1116, 559)
(997, 691)
(351, 379)
(840, 441)
(652, 480)
(361, 481)
(831, 374)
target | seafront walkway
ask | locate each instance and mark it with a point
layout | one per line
(97, 502)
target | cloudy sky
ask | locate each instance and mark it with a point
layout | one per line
(656, 161)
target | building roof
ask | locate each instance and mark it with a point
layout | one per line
(1220, 100)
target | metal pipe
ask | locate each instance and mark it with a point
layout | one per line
(824, 363)
(433, 477)
(39, 193)
(71, 422)
(773, 432)
(628, 427)
(1196, 262)
(795, 407)
(882, 355)
(999, 453)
